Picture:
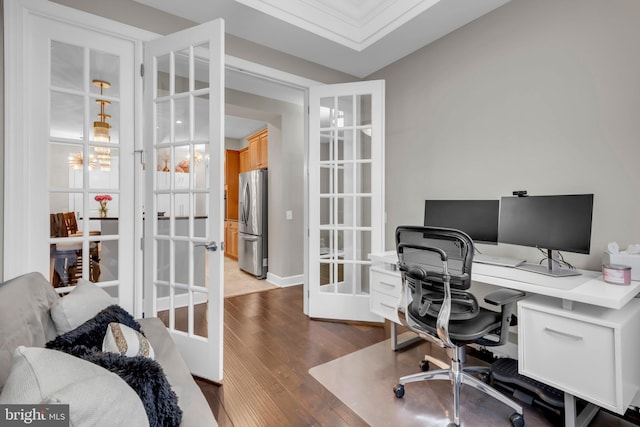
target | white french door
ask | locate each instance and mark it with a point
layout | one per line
(184, 145)
(64, 78)
(346, 197)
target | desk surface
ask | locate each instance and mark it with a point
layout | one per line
(588, 288)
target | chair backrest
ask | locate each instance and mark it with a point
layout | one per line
(53, 225)
(58, 225)
(429, 257)
(71, 223)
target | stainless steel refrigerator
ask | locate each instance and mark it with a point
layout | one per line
(252, 223)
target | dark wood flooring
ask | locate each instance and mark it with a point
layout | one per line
(269, 347)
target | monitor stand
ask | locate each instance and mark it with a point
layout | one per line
(552, 268)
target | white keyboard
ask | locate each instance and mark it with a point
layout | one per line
(498, 260)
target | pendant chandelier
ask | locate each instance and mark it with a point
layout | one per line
(102, 156)
(101, 129)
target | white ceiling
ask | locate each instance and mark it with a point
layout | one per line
(357, 37)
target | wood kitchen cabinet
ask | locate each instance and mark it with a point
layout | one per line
(231, 239)
(256, 155)
(231, 183)
(244, 160)
(259, 149)
(254, 148)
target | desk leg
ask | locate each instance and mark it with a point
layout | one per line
(573, 419)
(395, 345)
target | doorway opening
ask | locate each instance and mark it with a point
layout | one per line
(257, 105)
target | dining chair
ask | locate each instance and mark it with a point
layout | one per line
(64, 255)
(67, 256)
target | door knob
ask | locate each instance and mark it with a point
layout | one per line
(211, 246)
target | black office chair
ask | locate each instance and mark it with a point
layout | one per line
(435, 264)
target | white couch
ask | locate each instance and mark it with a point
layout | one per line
(26, 323)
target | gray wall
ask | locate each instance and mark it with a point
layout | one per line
(233, 144)
(538, 95)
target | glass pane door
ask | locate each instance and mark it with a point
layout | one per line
(86, 98)
(344, 154)
(84, 165)
(345, 194)
(183, 203)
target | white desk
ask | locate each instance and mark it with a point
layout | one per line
(578, 333)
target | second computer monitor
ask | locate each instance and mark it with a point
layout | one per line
(561, 223)
(477, 218)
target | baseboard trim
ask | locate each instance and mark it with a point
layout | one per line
(284, 282)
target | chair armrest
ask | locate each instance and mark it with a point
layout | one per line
(503, 296)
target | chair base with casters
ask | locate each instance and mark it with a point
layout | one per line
(435, 303)
(458, 374)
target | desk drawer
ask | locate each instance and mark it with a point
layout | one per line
(573, 355)
(386, 282)
(385, 306)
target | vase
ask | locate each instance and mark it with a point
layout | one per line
(104, 211)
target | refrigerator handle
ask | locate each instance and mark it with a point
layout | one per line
(246, 199)
(243, 189)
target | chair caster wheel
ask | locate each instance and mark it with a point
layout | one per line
(485, 378)
(398, 390)
(424, 365)
(517, 420)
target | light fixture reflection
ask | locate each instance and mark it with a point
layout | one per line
(197, 157)
(76, 161)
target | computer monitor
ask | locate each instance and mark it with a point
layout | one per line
(477, 218)
(551, 223)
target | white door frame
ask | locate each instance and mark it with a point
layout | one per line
(303, 83)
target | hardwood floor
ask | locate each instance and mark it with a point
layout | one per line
(269, 347)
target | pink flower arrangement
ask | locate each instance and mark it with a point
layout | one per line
(103, 199)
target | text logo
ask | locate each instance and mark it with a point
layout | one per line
(53, 415)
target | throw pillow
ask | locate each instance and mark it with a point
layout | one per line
(95, 396)
(91, 333)
(146, 377)
(125, 341)
(84, 302)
